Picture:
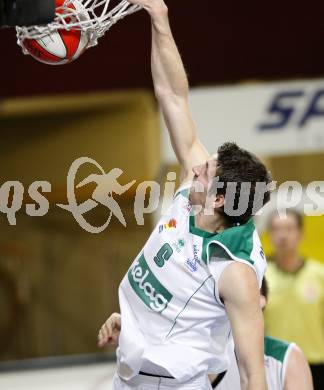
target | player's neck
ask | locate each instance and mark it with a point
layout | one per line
(209, 223)
(289, 261)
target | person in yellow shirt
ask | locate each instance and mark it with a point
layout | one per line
(295, 310)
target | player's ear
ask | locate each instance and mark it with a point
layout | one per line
(219, 201)
(213, 202)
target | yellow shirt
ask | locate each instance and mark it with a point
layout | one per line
(295, 310)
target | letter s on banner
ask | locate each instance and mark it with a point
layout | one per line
(281, 109)
(40, 199)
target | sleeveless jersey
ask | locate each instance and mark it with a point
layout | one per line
(171, 313)
(276, 356)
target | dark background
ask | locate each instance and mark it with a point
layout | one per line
(221, 42)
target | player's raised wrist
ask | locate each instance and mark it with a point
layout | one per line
(158, 12)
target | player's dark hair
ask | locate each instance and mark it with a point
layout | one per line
(237, 165)
(295, 213)
(264, 288)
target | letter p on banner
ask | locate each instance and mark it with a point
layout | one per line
(153, 202)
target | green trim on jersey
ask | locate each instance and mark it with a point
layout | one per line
(208, 237)
(197, 231)
(211, 248)
(239, 240)
(184, 192)
(234, 242)
(218, 251)
(275, 348)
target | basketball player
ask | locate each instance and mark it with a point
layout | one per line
(285, 364)
(196, 281)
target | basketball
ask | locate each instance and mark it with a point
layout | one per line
(61, 46)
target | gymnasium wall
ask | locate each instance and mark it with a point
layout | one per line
(58, 283)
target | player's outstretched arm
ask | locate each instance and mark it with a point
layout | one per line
(171, 88)
(239, 290)
(298, 374)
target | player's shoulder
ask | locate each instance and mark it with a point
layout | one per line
(242, 243)
(240, 240)
(183, 191)
(181, 205)
(297, 369)
(276, 348)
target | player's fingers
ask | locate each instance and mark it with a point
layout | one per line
(101, 343)
(108, 328)
(116, 323)
(102, 339)
(104, 331)
(102, 336)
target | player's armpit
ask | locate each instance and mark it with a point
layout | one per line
(298, 374)
(239, 290)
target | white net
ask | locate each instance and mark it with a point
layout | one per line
(94, 17)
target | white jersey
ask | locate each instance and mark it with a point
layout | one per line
(169, 300)
(276, 355)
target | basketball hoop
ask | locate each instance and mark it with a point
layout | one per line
(93, 17)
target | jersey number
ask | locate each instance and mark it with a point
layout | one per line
(163, 255)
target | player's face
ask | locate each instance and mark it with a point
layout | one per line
(285, 233)
(204, 175)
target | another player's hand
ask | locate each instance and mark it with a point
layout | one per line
(153, 7)
(110, 330)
